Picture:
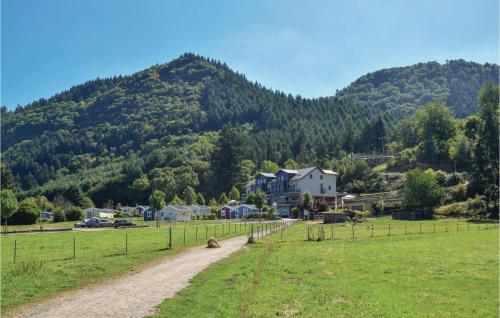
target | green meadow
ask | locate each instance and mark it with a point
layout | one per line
(452, 272)
(38, 265)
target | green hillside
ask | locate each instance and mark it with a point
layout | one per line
(105, 135)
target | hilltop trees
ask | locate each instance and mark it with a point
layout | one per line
(108, 136)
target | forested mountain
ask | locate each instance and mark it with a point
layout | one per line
(116, 138)
(398, 91)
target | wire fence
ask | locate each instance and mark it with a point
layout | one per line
(70, 225)
(106, 243)
(319, 232)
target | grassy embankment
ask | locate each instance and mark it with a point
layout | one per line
(442, 274)
(44, 263)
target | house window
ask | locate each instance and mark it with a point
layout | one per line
(310, 176)
(321, 177)
(329, 187)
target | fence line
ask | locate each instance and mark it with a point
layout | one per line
(381, 230)
(91, 244)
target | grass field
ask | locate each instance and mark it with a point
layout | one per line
(38, 265)
(449, 273)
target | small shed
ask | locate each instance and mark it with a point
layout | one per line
(412, 215)
(47, 216)
(335, 217)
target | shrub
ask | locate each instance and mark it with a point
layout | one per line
(422, 190)
(474, 207)
(27, 212)
(295, 212)
(74, 214)
(59, 215)
(457, 193)
(378, 207)
(454, 179)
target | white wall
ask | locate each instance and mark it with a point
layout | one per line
(313, 186)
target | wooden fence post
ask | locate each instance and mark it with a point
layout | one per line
(184, 236)
(389, 229)
(196, 235)
(126, 243)
(373, 225)
(74, 248)
(405, 230)
(331, 230)
(170, 237)
(420, 225)
(352, 228)
(15, 250)
(446, 226)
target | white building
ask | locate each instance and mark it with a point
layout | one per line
(200, 210)
(98, 213)
(171, 212)
(320, 183)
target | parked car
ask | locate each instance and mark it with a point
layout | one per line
(105, 223)
(80, 224)
(92, 222)
(124, 223)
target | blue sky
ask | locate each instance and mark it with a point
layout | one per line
(309, 48)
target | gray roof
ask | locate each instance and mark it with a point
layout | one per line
(290, 171)
(267, 174)
(301, 173)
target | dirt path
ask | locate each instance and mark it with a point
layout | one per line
(136, 295)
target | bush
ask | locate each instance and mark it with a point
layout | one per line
(454, 179)
(295, 212)
(457, 193)
(378, 207)
(59, 215)
(422, 190)
(27, 213)
(74, 214)
(475, 207)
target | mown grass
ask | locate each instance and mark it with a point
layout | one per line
(44, 263)
(442, 274)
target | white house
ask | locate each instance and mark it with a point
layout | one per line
(236, 211)
(98, 213)
(170, 212)
(200, 210)
(320, 183)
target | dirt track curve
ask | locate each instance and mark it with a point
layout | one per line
(137, 294)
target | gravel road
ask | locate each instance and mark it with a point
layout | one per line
(135, 295)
